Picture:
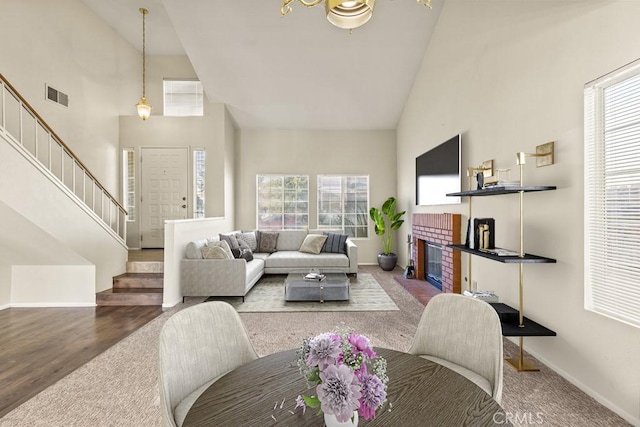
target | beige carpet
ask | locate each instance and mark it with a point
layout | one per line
(119, 387)
(365, 294)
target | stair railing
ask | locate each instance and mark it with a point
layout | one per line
(20, 123)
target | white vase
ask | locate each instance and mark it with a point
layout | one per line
(331, 421)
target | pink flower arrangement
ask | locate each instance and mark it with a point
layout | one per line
(338, 365)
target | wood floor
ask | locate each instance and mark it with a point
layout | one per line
(42, 345)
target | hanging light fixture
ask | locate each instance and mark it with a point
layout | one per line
(144, 109)
(345, 14)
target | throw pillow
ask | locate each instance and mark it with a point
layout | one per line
(267, 241)
(214, 252)
(246, 254)
(249, 237)
(313, 243)
(231, 240)
(335, 243)
(224, 245)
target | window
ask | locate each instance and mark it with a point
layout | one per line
(183, 98)
(612, 195)
(198, 183)
(343, 203)
(283, 202)
(129, 182)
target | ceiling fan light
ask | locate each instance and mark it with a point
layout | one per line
(349, 14)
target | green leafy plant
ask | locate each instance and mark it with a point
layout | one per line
(386, 220)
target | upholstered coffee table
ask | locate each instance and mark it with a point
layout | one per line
(335, 287)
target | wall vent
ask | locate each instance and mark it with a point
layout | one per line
(57, 96)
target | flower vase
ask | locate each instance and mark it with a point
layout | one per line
(331, 421)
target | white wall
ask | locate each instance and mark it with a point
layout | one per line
(509, 76)
(63, 44)
(52, 285)
(311, 153)
(5, 286)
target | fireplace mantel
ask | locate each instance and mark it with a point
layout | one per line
(443, 229)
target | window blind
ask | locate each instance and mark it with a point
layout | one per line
(183, 98)
(343, 203)
(612, 195)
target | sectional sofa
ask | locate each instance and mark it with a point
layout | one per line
(235, 277)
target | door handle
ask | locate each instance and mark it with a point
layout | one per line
(184, 206)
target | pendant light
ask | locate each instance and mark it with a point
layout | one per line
(144, 109)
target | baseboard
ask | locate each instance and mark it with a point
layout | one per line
(52, 304)
(588, 390)
(2, 307)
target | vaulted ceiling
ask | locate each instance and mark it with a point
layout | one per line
(291, 72)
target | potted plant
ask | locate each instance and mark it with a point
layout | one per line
(386, 221)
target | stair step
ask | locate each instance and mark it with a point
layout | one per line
(139, 280)
(129, 296)
(145, 267)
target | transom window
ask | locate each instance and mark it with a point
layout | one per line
(282, 202)
(183, 98)
(612, 195)
(343, 203)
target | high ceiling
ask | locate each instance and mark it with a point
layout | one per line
(292, 72)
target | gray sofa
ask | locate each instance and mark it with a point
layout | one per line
(236, 277)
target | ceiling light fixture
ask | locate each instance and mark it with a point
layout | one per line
(144, 109)
(345, 14)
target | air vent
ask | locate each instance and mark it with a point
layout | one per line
(57, 96)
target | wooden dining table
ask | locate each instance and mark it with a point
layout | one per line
(420, 393)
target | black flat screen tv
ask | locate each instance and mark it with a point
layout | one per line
(438, 173)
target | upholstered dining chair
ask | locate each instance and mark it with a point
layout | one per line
(463, 334)
(198, 345)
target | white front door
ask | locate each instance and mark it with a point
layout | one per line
(164, 190)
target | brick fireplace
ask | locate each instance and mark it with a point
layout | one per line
(440, 229)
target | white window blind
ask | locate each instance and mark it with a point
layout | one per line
(282, 202)
(198, 182)
(129, 182)
(183, 98)
(343, 203)
(612, 195)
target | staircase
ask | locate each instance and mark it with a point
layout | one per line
(142, 284)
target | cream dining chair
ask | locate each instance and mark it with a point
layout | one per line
(198, 345)
(463, 334)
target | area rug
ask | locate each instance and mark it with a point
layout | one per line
(267, 296)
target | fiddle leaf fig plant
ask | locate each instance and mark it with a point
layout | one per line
(386, 220)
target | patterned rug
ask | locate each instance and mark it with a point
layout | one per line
(365, 294)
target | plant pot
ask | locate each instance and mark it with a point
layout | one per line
(387, 262)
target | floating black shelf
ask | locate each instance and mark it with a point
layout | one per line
(509, 318)
(527, 259)
(496, 190)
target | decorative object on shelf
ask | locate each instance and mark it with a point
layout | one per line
(387, 260)
(480, 233)
(409, 272)
(144, 109)
(482, 174)
(487, 296)
(350, 379)
(345, 14)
